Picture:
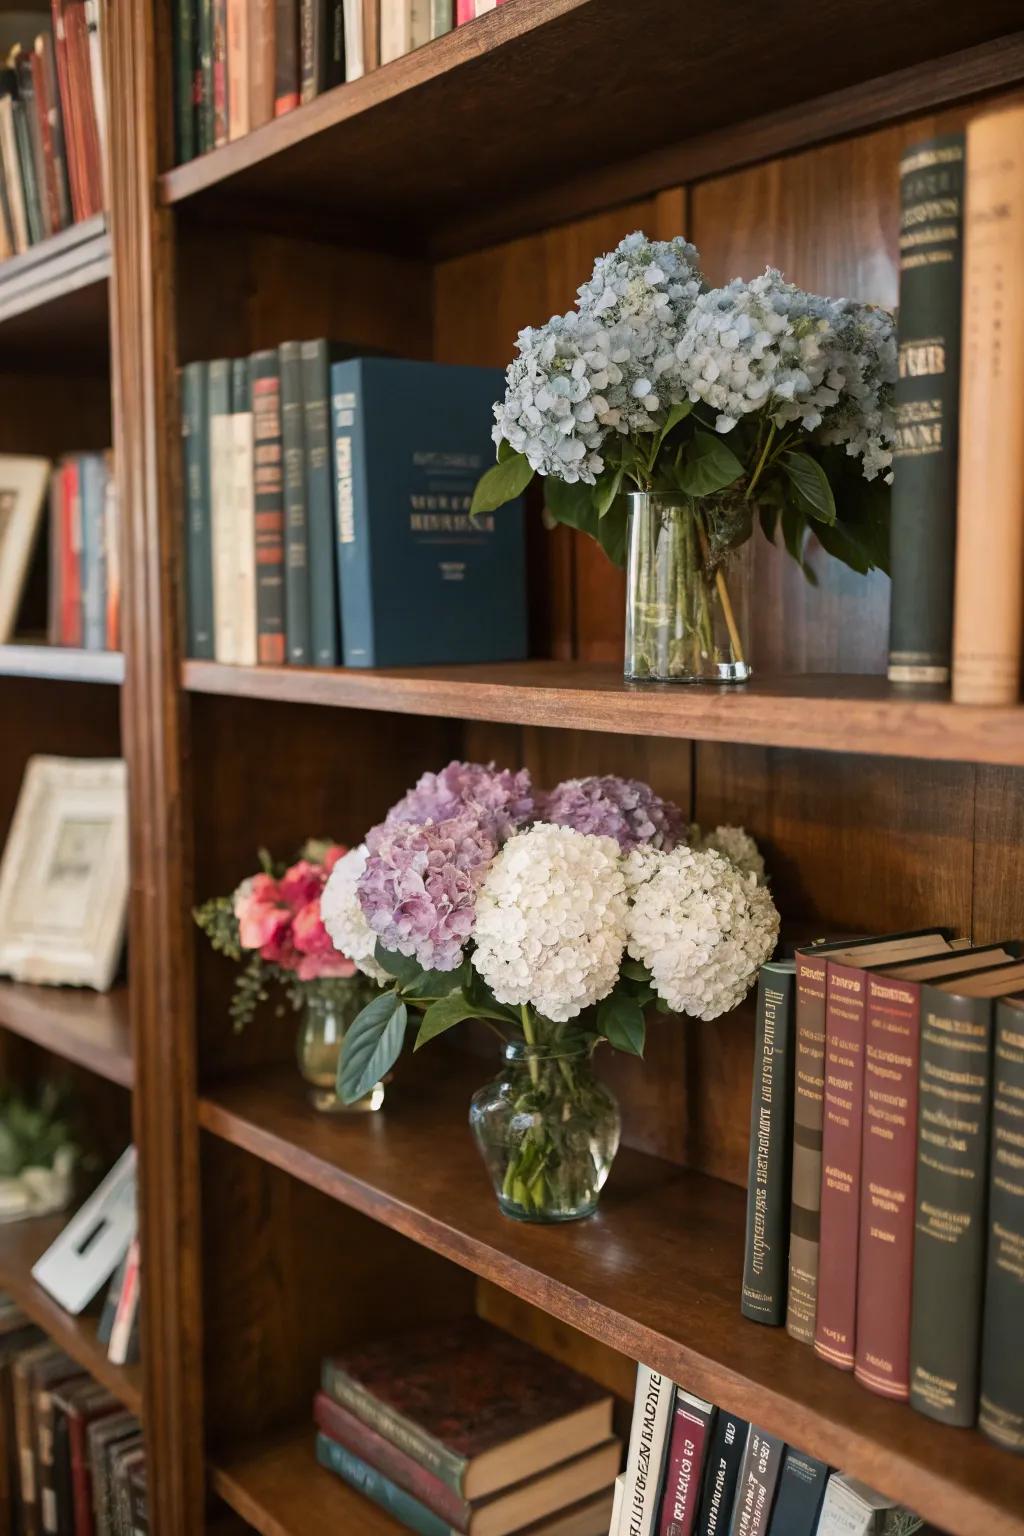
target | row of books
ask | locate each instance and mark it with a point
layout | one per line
(326, 507)
(885, 1216)
(240, 63)
(85, 553)
(71, 1457)
(695, 1470)
(958, 483)
(53, 125)
(463, 1429)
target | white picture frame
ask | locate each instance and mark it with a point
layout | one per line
(23, 485)
(64, 874)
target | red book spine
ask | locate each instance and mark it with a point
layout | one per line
(71, 146)
(892, 1041)
(82, 108)
(685, 1461)
(836, 1324)
(81, 1478)
(465, 10)
(334, 1420)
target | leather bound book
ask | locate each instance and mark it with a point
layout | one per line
(755, 1489)
(268, 485)
(1001, 1411)
(798, 1500)
(927, 408)
(689, 1430)
(390, 1460)
(296, 519)
(262, 53)
(239, 90)
(82, 1404)
(769, 1175)
(989, 599)
(724, 1457)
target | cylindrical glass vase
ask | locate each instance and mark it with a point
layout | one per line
(682, 624)
(328, 1009)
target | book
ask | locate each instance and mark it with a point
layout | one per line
(296, 533)
(224, 534)
(404, 25)
(391, 1460)
(81, 1404)
(799, 1496)
(355, 47)
(127, 1461)
(184, 81)
(689, 1431)
(23, 487)
(238, 68)
(127, 1310)
(116, 1455)
(262, 55)
(268, 493)
(219, 22)
(97, 79)
(286, 56)
(1001, 1401)
(43, 1411)
(989, 592)
(11, 164)
(923, 513)
(648, 1447)
(94, 576)
(851, 1508)
(71, 544)
(244, 513)
(34, 135)
(14, 74)
(204, 76)
(55, 146)
(78, 105)
(112, 562)
(117, 1428)
(138, 1498)
(442, 18)
(808, 1108)
(421, 581)
(769, 1172)
(195, 445)
(952, 1190)
(322, 46)
(477, 1408)
(16, 1337)
(323, 582)
(721, 1474)
(755, 1486)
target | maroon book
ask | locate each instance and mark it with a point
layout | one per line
(369, 1446)
(691, 1420)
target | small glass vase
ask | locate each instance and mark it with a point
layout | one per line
(327, 1010)
(682, 625)
(548, 1132)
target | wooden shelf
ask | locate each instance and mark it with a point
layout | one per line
(61, 663)
(89, 1028)
(21, 1244)
(280, 1489)
(53, 297)
(655, 1274)
(412, 153)
(825, 713)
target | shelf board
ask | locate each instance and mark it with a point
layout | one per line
(415, 149)
(21, 1244)
(53, 297)
(816, 712)
(61, 663)
(279, 1488)
(89, 1028)
(656, 1274)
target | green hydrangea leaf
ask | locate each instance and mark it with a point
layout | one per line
(372, 1045)
(620, 1019)
(709, 465)
(502, 483)
(810, 482)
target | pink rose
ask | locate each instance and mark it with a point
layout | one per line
(301, 883)
(318, 956)
(316, 967)
(261, 917)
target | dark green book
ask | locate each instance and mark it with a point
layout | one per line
(184, 80)
(268, 496)
(924, 488)
(195, 445)
(800, 1493)
(296, 522)
(204, 76)
(374, 1485)
(323, 580)
(1001, 1411)
(27, 93)
(769, 1171)
(26, 164)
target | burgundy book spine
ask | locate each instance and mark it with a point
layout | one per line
(71, 145)
(681, 1497)
(334, 1420)
(836, 1324)
(892, 1053)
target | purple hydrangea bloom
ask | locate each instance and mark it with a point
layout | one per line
(418, 890)
(608, 806)
(499, 801)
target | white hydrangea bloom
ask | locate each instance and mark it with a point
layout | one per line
(734, 844)
(551, 921)
(639, 865)
(865, 353)
(702, 929)
(548, 412)
(343, 916)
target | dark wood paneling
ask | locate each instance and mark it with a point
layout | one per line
(998, 864)
(41, 716)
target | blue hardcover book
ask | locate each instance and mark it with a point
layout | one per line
(801, 1491)
(93, 490)
(360, 1475)
(420, 581)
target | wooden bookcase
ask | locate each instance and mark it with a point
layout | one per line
(432, 209)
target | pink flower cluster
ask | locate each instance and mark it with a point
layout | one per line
(281, 919)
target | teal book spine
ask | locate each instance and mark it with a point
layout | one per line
(195, 468)
(94, 585)
(296, 531)
(323, 605)
(204, 76)
(184, 80)
(353, 529)
(374, 1485)
(26, 164)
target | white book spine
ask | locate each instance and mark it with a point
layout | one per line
(224, 540)
(355, 61)
(395, 24)
(648, 1440)
(618, 1492)
(245, 524)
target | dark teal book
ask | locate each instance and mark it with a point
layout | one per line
(26, 164)
(195, 472)
(184, 80)
(374, 1485)
(92, 475)
(323, 580)
(800, 1494)
(204, 76)
(422, 582)
(296, 532)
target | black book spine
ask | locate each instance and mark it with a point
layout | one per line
(769, 1174)
(296, 521)
(927, 407)
(799, 1498)
(185, 80)
(755, 1489)
(952, 1186)
(720, 1475)
(335, 45)
(1001, 1412)
(323, 579)
(268, 490)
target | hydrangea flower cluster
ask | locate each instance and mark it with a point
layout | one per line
(608, 806)
(497, 799)
(343, 915)
(866, 356)
(734, 844)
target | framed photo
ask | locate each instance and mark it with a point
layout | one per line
(23, 483)
(64, 875)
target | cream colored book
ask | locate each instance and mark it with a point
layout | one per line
(352, 16)
(224, 539)
(245, 529)
(12, 175)
(239, 89)
(989, 602)
(404, 25)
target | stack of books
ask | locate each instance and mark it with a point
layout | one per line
(53, 128)
(71, 1457)
(327, 513)
(694, 1470)
(85, 553)
(462, 1429)
(885, 1194)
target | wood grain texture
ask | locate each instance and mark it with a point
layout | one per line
(67, 719)
(88, 1028)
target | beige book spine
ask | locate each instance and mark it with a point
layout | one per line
(224, 540)
(989, 605)
(239, 86)
(261, 62)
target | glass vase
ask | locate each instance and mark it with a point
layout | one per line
(682, 624)
(548, 1132)
(327, 1009)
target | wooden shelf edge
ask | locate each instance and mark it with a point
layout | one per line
(88, 1028)
(58, 663)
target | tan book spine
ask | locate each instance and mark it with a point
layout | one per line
(239, 90)
(261, 62)
(989, 605)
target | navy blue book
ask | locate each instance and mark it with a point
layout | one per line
(420, 581)
(799, 1498)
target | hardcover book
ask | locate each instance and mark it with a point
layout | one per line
(323, 580)
(769, 1176)
(296, 531)
(645, 1460)
(243, 514)
(722, 1472)
(755, 1487)
(224, 531)
(689, 1430)
(800, 1493)
(476, 1407)
(420, 580)
(195, 445)
(852, 1508)
(268, 491)
(1001, 1411)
